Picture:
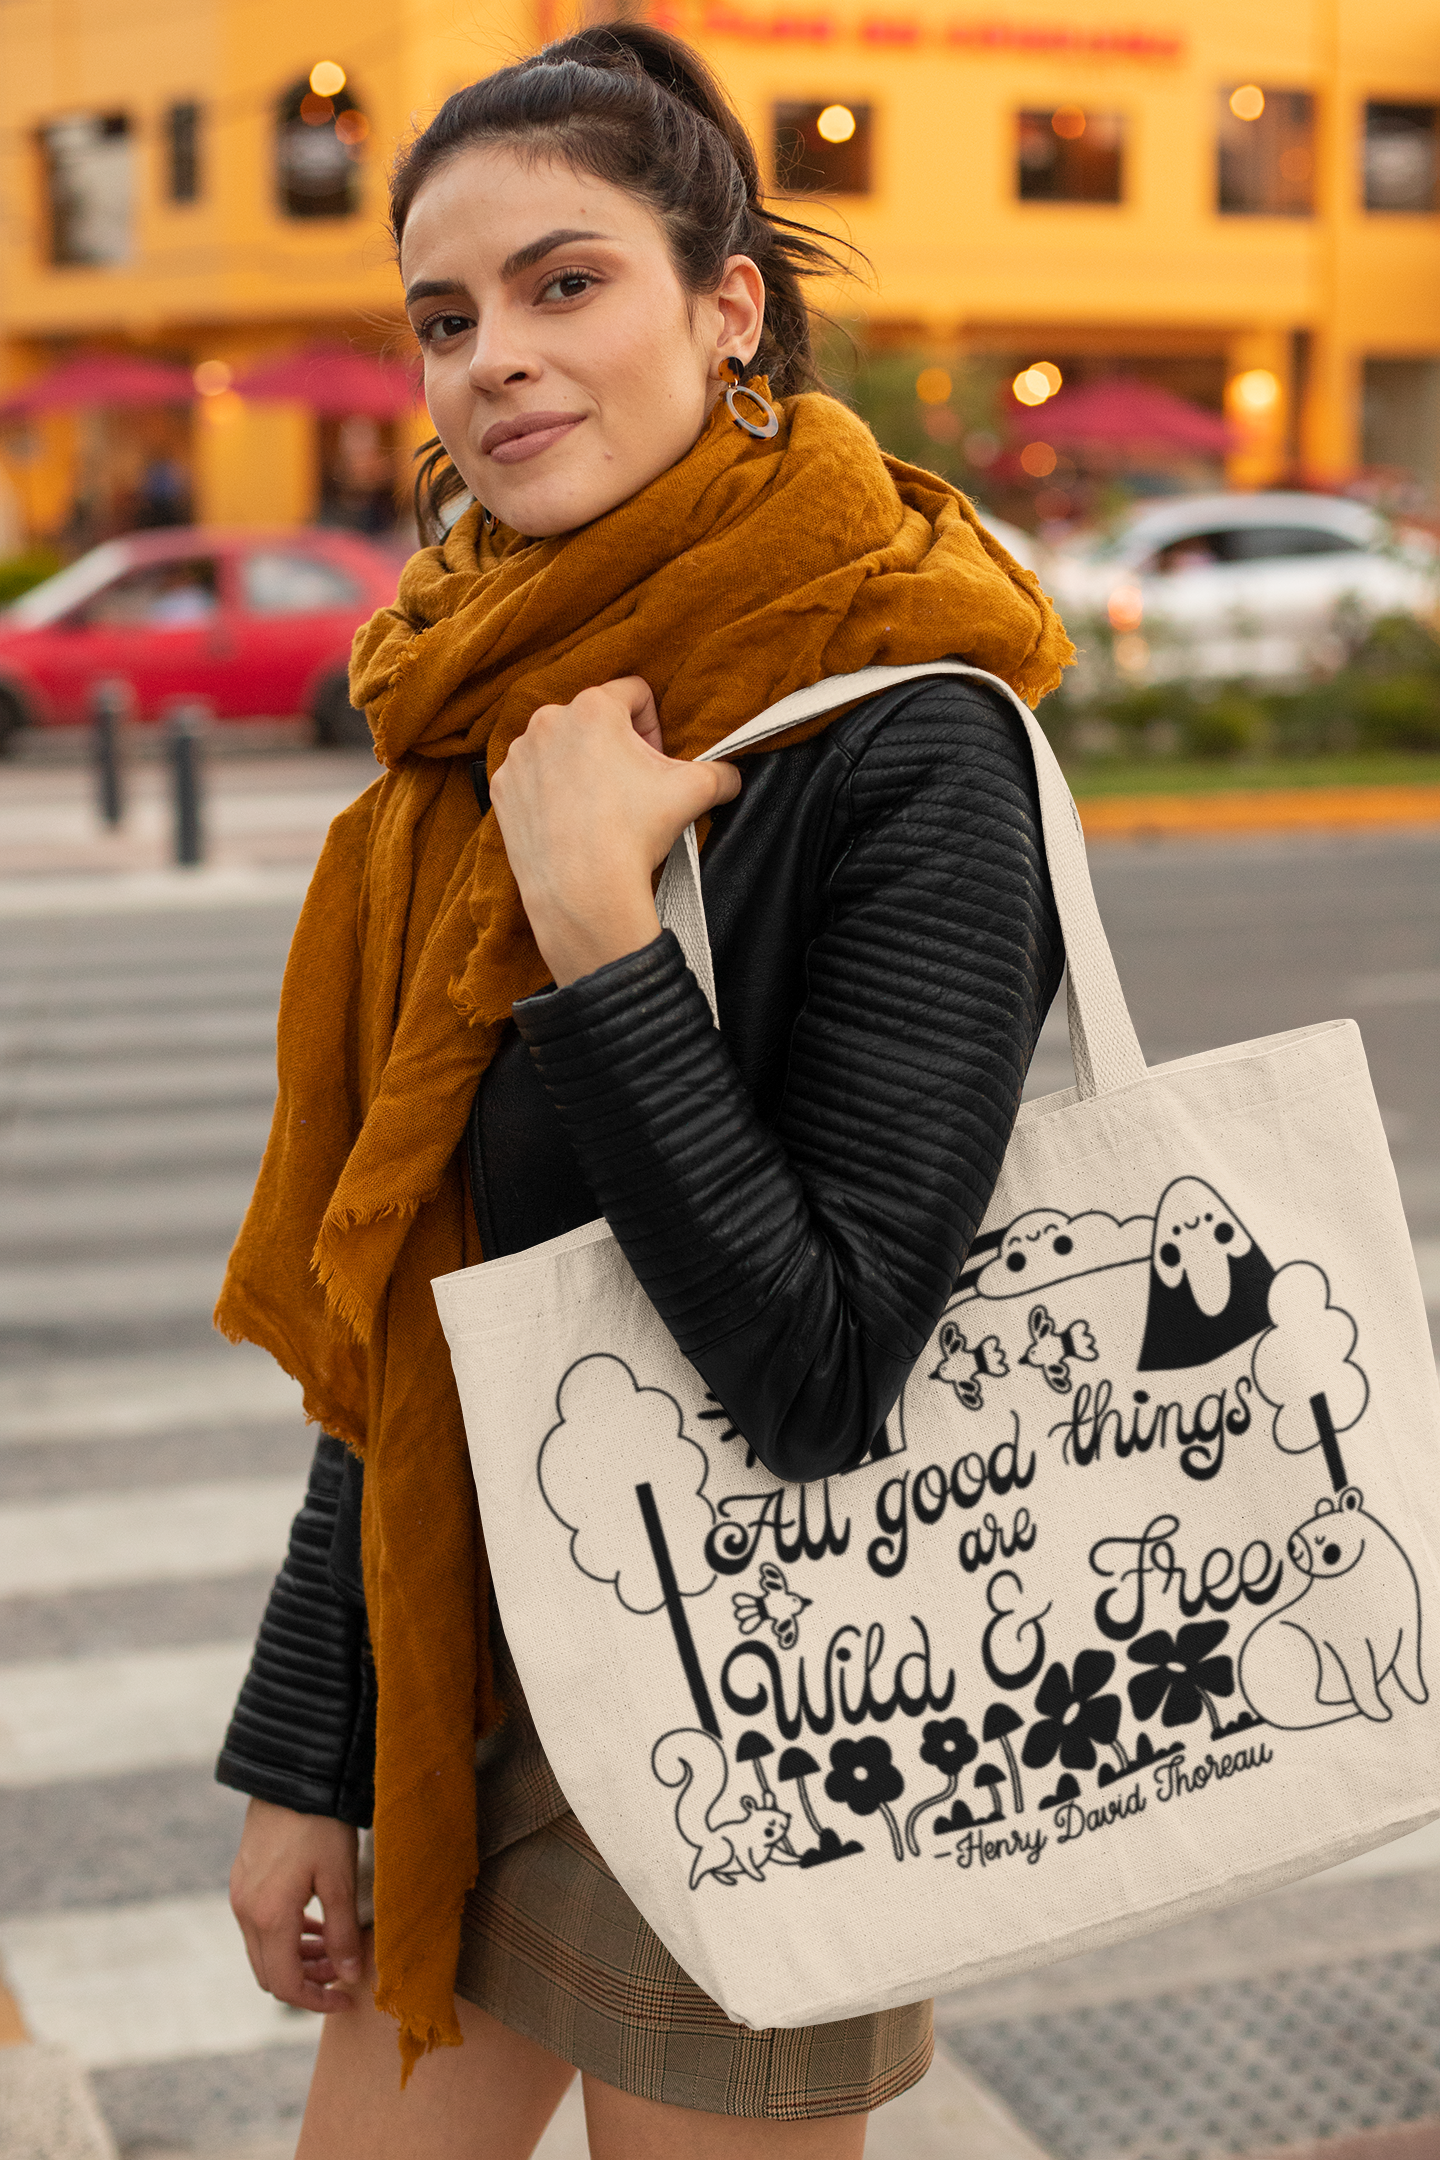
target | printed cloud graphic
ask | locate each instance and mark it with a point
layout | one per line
(612, 1436)
(1307, 1352)
(1047, 1246)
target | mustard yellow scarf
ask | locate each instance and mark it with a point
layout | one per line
(748, 570)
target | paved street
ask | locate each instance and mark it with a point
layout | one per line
(148, 1472)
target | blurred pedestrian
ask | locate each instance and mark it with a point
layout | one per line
(486, 1040)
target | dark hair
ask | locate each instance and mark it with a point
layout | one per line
(638, 108)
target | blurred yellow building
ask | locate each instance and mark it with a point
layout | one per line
(1240, 204)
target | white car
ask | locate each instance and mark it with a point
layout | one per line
(1220, 587)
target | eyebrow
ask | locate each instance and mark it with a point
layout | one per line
(514, 266)
(526, 258)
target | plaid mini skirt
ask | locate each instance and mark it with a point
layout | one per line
(552, 1947)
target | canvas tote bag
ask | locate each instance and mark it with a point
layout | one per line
(1127, 1613)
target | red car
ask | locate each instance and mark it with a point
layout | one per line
(257, 624)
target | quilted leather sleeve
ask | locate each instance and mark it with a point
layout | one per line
(302, 1734)
(801, 1264)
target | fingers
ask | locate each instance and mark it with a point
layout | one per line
(727, 782)
(284, 1860)
(341, 1932)
(638, 699)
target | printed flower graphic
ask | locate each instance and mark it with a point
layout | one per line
(1074, 1717)
(1183, 1675)
(863, 1778)
(948, 1746)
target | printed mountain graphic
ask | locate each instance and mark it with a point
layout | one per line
(1209, 1281)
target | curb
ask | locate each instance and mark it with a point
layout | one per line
(1258, 810)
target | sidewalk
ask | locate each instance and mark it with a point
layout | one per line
(1255, 810)
(265, 810)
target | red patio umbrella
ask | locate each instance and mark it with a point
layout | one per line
(334, 380)
(1127, 415)
(101, 379)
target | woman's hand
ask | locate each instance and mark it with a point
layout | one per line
(590, 806)
(284, 1861)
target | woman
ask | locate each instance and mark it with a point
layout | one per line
(485, 1041)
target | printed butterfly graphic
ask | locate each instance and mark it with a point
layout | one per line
(962, 1368)
(1051, 1349)
(777, 1603)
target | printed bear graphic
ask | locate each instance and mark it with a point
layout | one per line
(1209, 1280)
(1354, 1623)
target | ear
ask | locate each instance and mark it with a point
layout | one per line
(1039, 1323)
(748, 1803)
(1352, 1499)
(739, 312)
(1325, 1507)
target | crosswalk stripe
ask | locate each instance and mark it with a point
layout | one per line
(119, 1144)
(68, 1718)
(149, 1982)
(170, 1533)
(150, 1208)
(80, 1291)
(43, 1088)
(73, 1034)
(118, 1397)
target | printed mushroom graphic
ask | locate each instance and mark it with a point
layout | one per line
(754, 1747)
(1000, 1722)
(797, 1765)
(990, 1774)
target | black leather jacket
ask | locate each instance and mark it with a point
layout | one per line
(797, 1191)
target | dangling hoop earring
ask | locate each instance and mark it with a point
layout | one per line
(764, 429)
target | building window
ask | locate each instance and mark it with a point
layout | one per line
(182, 153)
(1070, 156)
(1401, 427)
(1266, 152)
(89, 173)
(823, 148)
(1400, 159)
(319, 144)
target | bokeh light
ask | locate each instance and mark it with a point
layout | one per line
(1068, 122)
(327, 78)
(1034, 384)
(1248, 102)
(836, 124)
(1125, 607)
(352, 127)
(933, 386)
(316, 111)
(1039, 460)
(212, 378)
(1255, 393)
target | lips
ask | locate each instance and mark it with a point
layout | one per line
(511, 442)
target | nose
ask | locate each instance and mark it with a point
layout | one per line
(498, 360)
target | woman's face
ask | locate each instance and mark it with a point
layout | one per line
(565, 365)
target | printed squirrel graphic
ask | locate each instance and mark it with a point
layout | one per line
(1051, 1348)
(695, 1761)
(777, 1603)
(962, 1367)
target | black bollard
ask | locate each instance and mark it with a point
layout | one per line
(183, 732)
(111, 702)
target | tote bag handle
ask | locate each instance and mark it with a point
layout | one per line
(1103, 1041)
